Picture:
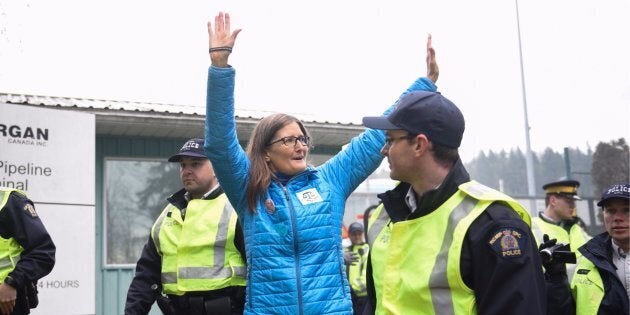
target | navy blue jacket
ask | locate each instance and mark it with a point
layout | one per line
(599, 251)
(25, 226)
(501, 286)
(146, 285)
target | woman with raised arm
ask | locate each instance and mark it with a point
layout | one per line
(291, 212)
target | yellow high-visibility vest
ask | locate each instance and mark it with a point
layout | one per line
(430, 282)
(587, 288)
(198, 254)
(10, 250)
(576, 237)
(357, 271)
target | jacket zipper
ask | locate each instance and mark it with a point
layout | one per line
(343, 275)
(295, 249)
(249, 280)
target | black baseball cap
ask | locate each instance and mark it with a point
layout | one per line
(566, 187)
(423, 112)
(615, 191)
(355, 227)
(192, 148)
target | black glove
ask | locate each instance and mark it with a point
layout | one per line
(350, 258)
(553, 267)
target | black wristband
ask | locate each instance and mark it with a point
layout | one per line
(225, 48)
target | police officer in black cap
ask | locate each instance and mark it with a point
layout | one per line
(356, 269)
(195, 253)
(441, 242)
(559, 220)
(601, 283)
(27, 253)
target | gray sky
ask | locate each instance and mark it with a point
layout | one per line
(342, 60)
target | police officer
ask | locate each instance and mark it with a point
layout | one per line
(441, 243)
(27, 253)
(195, 253)
(559, 220)
(601, 283)
(357, 268)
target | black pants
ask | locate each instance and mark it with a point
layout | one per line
(20, 310)
(358, 304)
(200, 305)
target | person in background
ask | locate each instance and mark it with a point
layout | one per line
(195, 252)
(291, 212)
(558, 220)
(601, 283)
(27, 253)
(441, 243)
(356, 268)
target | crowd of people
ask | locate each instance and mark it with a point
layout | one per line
(258, 230)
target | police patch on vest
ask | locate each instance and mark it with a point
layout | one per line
(31, 210)
(583, 271)
(506, 242)
(309, 196)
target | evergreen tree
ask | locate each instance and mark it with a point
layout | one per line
(550, 169)
(508, 171)
(610, 164)
(515, 169)
(581, 164)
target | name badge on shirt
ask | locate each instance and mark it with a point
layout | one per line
(309, 196)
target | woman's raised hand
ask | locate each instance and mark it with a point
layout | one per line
(221, 39)
(433, 71)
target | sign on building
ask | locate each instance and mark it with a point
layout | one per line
(49, 154)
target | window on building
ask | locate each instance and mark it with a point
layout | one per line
(135, 193)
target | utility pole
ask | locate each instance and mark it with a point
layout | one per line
(529, 160)
(567, 163)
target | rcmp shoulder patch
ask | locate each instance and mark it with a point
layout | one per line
(30, 210)
(507, 242)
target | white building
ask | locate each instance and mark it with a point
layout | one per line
(98, 175)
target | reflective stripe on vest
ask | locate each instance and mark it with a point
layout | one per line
(377, 222)
(587, 288)
(9, 261)
(198, 254)
(576, 237)
(10, 249)
(357, 271)
(379, 231)
(441, 291)
(431, 284)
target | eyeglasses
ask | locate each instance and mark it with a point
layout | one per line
(389, 141)
(292, 141)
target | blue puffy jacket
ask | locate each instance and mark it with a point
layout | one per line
(294, 253)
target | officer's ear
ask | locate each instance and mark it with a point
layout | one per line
(422, 144)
